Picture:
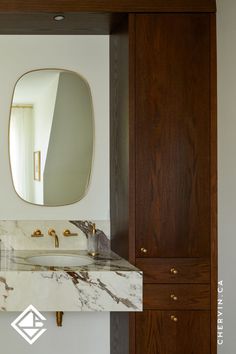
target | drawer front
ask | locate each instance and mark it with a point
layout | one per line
(176, 297)
(173, 332)
(175, 270)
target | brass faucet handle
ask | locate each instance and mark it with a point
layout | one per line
(52, 232)
(37, 233)
(68, 233)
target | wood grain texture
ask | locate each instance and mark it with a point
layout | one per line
(157, 334)
(173, 135)
(119, 169)
(132, 140)
(43, 23)
(190, 297)
(119, 140)
(107, 6)
(214, 247)
(132, 152)
(190, 270)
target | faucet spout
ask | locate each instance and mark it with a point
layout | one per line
(52, 233)
(56, 241)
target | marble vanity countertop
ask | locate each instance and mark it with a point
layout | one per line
(109, 283)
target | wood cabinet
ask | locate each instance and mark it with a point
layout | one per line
(173, 332)
(173, 205)
(176, 296)
(172, 135)
(174, 270)
(171, 228)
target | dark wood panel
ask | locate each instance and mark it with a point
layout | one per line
(175, 270)
(119, 170)
(74, 23)
(132, 152)
(214, 250)
(176, 297)
(107, 5)
(155, 333)
(119, 333)
(173, 135)
(132, 139)
(158, 334)
(119, 140)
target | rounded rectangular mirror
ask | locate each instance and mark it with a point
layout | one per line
(51, 137)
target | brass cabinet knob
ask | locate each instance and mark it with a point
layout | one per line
(174, 318)
(68, 233)
(37, 233)
(174, 271)
(173, 297)
(143, 250)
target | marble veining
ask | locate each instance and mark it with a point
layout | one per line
(108, 284)
(17, 234)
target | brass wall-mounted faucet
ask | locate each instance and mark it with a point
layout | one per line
(37, 233)
(52, 233)
(68, 233)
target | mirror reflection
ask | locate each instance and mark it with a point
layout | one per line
(51, 137)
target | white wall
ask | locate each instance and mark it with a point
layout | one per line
(226, 25)
(82, 333)
(87, 55)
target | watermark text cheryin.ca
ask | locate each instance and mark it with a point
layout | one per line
(220, 317)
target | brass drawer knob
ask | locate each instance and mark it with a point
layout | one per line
(174, 271)
(37, 233)
(143, 250)
(173, 297)
(174, 318)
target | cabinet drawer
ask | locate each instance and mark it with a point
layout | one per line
(174, 270)
(173, 332)
(176, 297)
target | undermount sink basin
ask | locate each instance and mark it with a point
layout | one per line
(60, 260)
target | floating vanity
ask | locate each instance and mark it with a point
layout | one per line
(68, 281)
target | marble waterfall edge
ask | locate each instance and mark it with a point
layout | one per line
(109, 284)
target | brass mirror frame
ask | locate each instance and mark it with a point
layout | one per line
(93, 134)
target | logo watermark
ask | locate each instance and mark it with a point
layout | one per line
(220, 314)
(30, 324)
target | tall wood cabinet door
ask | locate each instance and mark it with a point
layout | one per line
(158, 333)
(172, 135)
